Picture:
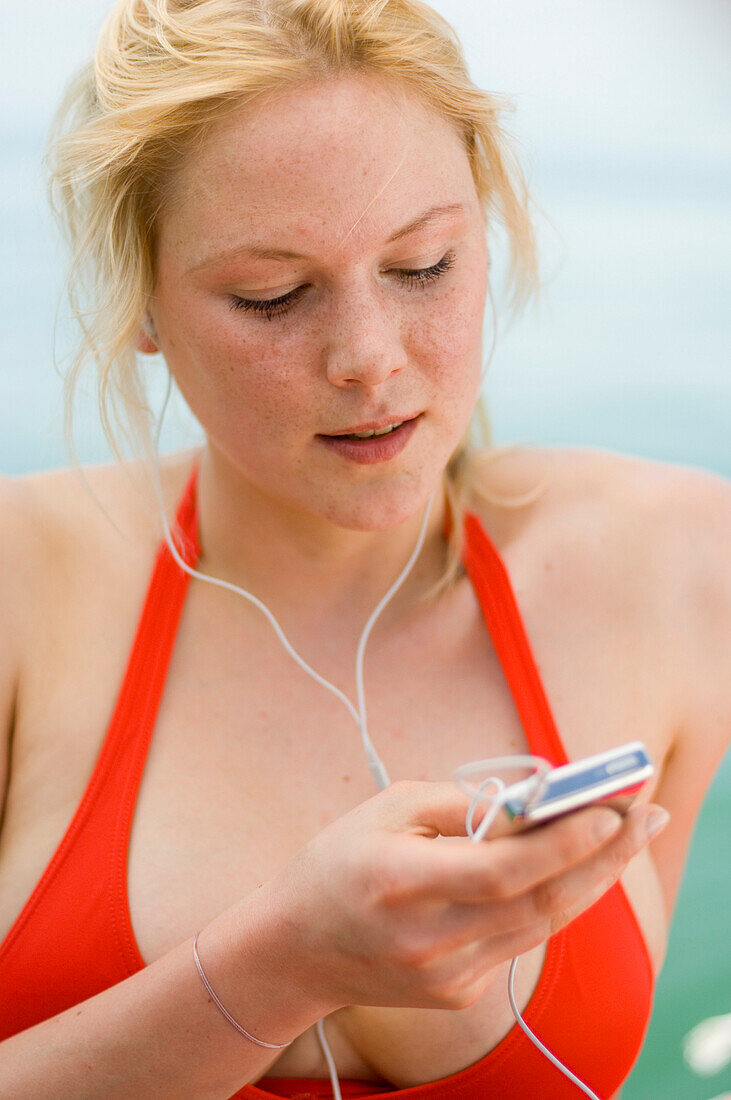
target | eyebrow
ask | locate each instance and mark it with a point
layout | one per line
(284, 254)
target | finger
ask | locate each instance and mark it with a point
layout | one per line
(479, 960)
(427, 809)
(553, 899)
(547, 907)
(494, 950)
(508, 867)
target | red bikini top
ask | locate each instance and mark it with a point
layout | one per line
(74, 936)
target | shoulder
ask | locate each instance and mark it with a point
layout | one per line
(76, 549)
(73, 540)
(648, 539)
(57, 509)
(661, 510)
(62, 529)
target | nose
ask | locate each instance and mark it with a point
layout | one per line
(365, 346)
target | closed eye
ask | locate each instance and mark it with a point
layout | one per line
(272, 307)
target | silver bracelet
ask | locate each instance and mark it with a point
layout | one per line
(220, 1007)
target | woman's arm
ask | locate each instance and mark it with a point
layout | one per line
(14, 581)
(691, 529)
(157, 1034)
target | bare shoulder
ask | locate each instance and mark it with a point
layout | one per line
(566, 473)
(56, 518)
(648, 539)
(674, 518)
(63, 528)
(73, 540)
(17, 552)
(67, 532)
(33, 557)
(669, 528)
(49, 517)
(58, 506)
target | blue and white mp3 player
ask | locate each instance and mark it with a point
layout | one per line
(612, 777)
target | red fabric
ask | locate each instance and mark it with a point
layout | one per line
(74, 936)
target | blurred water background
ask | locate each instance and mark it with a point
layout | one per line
(623, 121)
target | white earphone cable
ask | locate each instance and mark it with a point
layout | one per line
(500, 794)
(534, 1038)
(378, 771)
(376, 766)
(334, 1080)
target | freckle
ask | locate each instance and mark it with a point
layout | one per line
(346, 779)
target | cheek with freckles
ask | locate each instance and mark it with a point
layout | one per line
(238, 382)
(447, 346)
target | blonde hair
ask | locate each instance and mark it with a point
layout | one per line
(162, 72)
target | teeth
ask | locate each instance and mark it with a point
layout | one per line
(370, 434)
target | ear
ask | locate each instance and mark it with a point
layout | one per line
(146, 344)
(147, 338)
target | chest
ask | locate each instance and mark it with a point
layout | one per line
(247, 747)
(250, 758)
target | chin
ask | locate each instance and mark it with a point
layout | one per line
(379, 510)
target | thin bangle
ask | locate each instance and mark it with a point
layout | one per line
(220, 1007)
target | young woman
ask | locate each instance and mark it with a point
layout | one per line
(291, 202)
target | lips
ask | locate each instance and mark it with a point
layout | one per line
(375, 448)
(370, 426)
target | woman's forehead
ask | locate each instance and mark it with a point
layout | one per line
(326, 152)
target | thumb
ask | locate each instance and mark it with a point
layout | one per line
(430, 809)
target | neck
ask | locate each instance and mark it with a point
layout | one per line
(304, 567)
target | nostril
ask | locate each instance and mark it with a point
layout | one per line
(364, 362)
(365, 376)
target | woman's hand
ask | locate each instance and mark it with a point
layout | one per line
(394, 905)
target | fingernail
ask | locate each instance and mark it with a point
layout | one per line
(657, 820)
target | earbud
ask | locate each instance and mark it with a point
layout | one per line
(148, 342)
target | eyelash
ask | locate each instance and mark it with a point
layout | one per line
(273, 307)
